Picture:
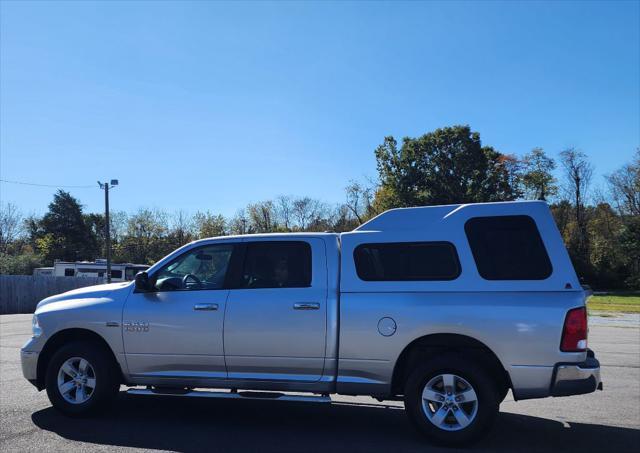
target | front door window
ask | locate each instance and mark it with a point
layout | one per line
(203, 268)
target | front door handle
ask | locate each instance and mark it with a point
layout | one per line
(306, 306)
(205, 307)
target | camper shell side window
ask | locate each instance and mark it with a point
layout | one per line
(407, 261)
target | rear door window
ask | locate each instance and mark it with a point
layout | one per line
(508, 248)
(404, 261)
(277, 264)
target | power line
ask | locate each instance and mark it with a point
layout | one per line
(46, 185)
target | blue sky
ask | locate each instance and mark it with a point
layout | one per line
(203, 105)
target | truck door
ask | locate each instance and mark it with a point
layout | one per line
(275, 324)
(175, 331)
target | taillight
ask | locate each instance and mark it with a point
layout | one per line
(574, 333)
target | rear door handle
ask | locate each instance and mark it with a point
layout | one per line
(306, 306)
(205, 307)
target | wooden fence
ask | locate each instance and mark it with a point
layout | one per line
(21, 293)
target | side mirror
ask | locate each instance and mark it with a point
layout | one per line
(142, 282)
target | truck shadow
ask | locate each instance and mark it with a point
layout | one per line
(189, 425)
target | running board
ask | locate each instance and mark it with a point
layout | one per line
(236, 395)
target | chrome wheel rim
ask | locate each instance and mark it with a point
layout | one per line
(449, 402)
(76, 380)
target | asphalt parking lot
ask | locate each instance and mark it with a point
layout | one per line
(608, 420)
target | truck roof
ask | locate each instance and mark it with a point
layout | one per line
(419, 217)
(269, 235)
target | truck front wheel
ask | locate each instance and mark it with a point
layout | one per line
(81, 379)
(451, 399)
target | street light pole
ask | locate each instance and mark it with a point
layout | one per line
(107, 224)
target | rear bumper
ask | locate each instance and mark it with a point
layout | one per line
(576, 378)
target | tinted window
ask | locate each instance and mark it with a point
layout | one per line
(89, 270)
(116, 274)
(403, 261)
(277, 265)
(508, 248)
(69, 272)
(200, 268)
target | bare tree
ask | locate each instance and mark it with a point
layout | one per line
(359, 201)
(118, 225)
(624, 185)
(284, 211)
(11, 222)
(262, 216)
(145, 240)
(342, 219)
(182, 228)
(578, 172)
(307, 211)
(239, 223)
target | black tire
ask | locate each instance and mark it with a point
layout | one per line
(470, 370)
(502, 393)
(102, 369)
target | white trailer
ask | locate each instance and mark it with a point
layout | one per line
(120, 272)
(43, 272)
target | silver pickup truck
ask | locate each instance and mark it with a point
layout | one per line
(444, 307)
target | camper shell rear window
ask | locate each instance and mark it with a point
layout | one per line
(508, 248)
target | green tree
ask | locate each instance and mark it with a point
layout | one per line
(96, 224)
(630, 245)
(605, 253)
(20, 264)
(446, 166)
(145, 240)
(209, 225)
(63, 232)
(537, 177)
(624, 185)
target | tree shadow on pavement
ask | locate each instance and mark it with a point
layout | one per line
(189, 425)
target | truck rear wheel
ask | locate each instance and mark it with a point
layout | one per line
(451, 399)
(81, 379)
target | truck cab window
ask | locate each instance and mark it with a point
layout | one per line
(277, 264)
(203, 268)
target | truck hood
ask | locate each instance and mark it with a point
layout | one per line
(82, 296)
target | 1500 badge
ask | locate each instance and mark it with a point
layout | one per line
(130, 326)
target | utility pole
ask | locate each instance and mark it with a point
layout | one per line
(107, 232)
